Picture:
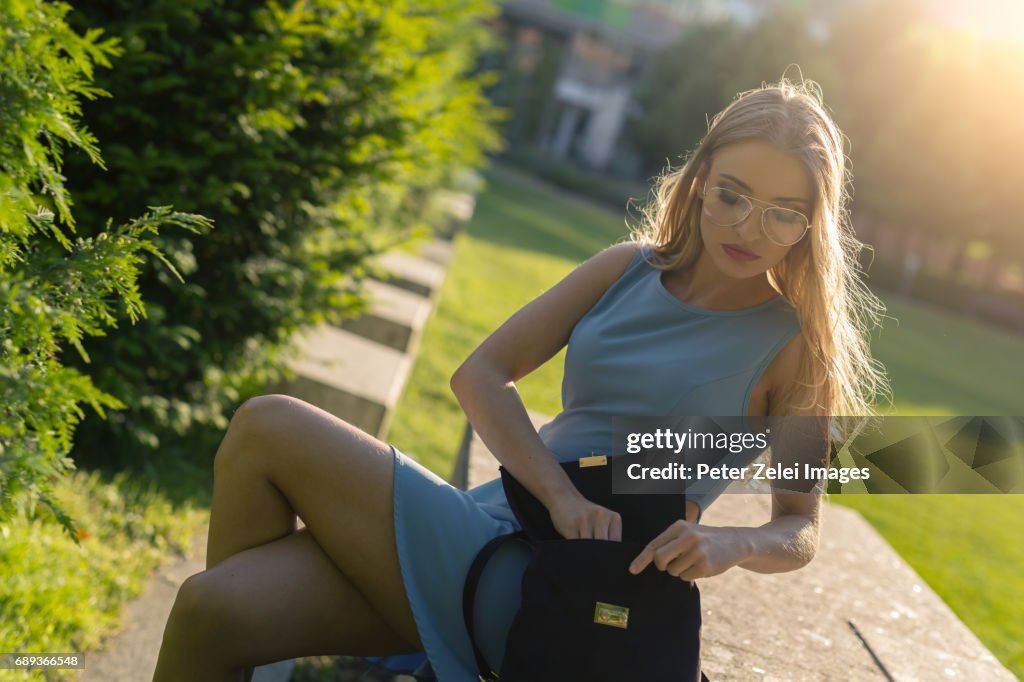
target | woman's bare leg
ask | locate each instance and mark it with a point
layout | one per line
(281, 600)
(247, 509)
(281, 456)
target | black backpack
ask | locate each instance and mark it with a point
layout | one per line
(584, 617)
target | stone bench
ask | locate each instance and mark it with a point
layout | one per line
(857, 612)
(458, 206)
(395, 316)
(357, 371)
(351, 377)
(413, 273)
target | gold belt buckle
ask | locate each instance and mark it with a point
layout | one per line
(610, 614)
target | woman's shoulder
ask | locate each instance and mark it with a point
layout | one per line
(622, 255)
(609, 265)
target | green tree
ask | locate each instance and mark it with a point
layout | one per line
(529, 70)
(933, 113)
(683, 86)
(314, 134)
(700, 73)
(55, 289)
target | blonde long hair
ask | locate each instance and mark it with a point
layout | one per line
(820, 276)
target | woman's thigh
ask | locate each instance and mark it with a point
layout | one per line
(281, 600)
(339, 480)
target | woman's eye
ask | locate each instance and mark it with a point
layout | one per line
(787, 217)
(727, 197)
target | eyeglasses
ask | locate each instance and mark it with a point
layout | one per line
(782, 226)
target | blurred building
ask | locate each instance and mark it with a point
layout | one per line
(572, 65)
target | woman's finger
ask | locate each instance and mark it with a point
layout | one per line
(659, 555)
(684, 561)
(670, 533)
(573, 531)
(665, 554)
(615, 531)
(586, 529)
(642, 560)
(647, 554)
(601, 527)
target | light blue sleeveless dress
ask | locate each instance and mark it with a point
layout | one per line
(639, 351)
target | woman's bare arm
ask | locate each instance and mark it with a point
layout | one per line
(787, 542)
(485, 383)
(790, 540)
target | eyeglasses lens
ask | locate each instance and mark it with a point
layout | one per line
(726, 208)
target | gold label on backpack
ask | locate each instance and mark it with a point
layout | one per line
(610, 614)
(593, 461)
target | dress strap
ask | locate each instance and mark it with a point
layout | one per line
(476, 569)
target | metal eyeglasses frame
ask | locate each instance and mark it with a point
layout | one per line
(751, 207)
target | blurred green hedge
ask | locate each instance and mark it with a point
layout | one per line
(613, 192)
(1004, 309)
(314, 134)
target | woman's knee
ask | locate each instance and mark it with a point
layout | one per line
(278, 415)
(205, 609)
(261, 414)
(192, 609)
(254, 427)
(271, 425)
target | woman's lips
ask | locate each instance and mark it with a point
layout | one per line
(737, 253)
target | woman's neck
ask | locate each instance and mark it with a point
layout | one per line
(703, 285)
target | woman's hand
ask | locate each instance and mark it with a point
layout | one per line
(689, 551)
(575, 517)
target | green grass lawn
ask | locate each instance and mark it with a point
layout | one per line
(57, 596)
(522, 240)
(524, 237)
(967, 547)
(943, 364)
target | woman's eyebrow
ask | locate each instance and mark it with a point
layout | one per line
(746, 187)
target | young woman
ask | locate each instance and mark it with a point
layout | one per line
(739, 296)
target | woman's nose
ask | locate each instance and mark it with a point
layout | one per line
(750, 228)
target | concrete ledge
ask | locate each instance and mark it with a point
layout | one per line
(395, 319)
(349, 376)
(438, 251)
(458, 206)
(858, 611)
(412, 273)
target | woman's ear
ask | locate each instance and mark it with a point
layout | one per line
(701, 178)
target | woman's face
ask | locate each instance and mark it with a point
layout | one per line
(768, 177)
